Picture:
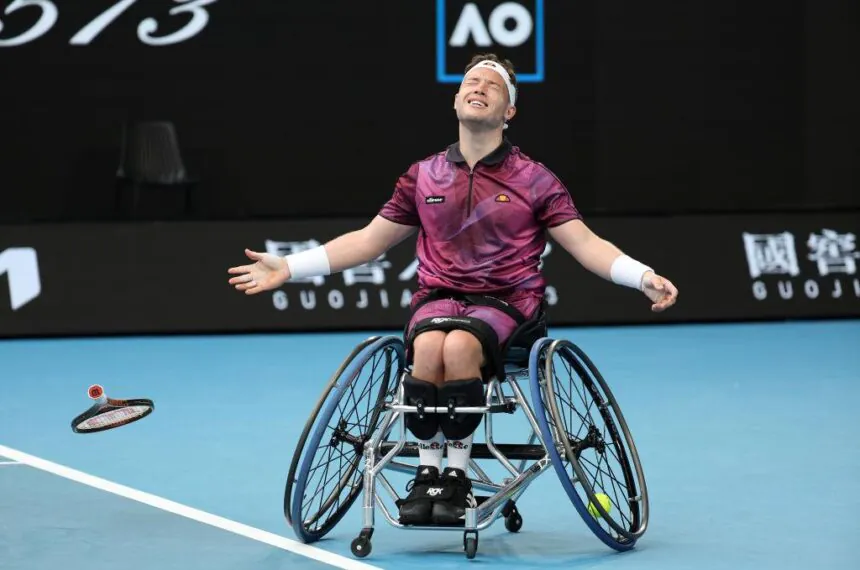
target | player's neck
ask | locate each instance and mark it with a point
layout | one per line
(476, 145)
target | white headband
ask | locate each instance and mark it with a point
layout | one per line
(512, 92)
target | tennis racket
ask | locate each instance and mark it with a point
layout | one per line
(108, 413)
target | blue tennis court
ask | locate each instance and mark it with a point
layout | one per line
(747, 433)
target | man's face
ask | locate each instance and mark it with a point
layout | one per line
(482, 101)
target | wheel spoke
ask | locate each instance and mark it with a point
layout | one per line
(333, 471)
(580, 414)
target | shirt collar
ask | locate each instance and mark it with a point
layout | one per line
(498, 155)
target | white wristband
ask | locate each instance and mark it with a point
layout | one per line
(628, 272)
(308, 263)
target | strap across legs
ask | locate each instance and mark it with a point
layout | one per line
(485, 333)
(472, 299)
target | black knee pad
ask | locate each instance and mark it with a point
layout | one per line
(461, 393)
(419, 392)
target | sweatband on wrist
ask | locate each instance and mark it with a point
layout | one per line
(628, 272)
(308, 263)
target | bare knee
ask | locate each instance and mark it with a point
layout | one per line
(427, 362)
(462, 355)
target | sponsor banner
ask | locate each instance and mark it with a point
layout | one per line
(172, 277)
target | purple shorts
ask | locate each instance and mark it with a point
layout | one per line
(526, 302)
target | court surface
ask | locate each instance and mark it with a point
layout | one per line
(748, 436)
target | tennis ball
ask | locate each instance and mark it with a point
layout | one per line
(604, 502)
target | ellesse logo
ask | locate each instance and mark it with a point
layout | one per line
(434, 199)
(503, 198)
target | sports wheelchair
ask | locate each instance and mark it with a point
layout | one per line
(357, 431)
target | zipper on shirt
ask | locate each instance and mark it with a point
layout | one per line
(469, 203)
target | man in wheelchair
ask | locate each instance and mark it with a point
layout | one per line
(455, 342)
(482, 210)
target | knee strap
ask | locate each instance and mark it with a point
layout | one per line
(423, 394)
(469, 393)
(485, 334)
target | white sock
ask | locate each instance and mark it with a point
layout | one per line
(459, 451)
(430, 451)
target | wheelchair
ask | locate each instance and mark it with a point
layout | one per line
(356, 433)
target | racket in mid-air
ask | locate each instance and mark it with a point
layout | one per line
(108, 413)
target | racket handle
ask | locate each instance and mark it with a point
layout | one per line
(97, 393)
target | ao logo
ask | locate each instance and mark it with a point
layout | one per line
(471, 24)
(511, 29)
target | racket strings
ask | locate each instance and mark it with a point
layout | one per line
(114, 416)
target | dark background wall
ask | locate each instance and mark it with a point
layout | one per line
(305, 109)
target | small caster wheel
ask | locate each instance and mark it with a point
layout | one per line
(470, 544)
(514, 521)
(360, 546)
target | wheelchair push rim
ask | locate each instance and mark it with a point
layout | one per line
(334, 455)
(596, 453)
(625, 485)
(624, 438)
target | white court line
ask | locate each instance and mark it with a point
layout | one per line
(188, 512)
(2, 463)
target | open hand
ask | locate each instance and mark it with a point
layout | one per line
(269, 272)
(660, 290)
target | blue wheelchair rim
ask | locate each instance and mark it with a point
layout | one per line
(298, 452)
(557, 461)
(322, 424)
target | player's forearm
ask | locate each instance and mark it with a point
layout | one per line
(606, 260)
(598, 255)
(350, 250)
(343, 252)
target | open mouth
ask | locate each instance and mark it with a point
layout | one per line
(477, 104)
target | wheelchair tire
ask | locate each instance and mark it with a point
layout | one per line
(339, 491)
(627, 521)
(300, 446)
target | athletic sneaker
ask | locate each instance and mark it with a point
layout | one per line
(450, 508)
(417, 506)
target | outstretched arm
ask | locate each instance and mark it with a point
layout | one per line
(606, 260)
(343, 252)
(368, 243)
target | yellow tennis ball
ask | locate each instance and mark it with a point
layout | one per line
(604, 502)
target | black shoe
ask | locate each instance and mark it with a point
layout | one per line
(417, 506)
(450, 507)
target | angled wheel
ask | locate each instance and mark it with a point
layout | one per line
(594, 453)
(327, 472)
(312, 420)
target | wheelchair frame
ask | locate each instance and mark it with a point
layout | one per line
(534, 458)
(501, 503)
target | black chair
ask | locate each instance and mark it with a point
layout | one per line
(152, 180)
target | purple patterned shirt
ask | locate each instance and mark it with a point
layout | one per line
(480, 231)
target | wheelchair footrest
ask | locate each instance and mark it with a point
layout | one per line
(511, 451)
(480, 499)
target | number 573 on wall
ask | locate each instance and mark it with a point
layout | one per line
(145, 30)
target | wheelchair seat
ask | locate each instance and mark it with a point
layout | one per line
(515, 353)
(513, 357)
